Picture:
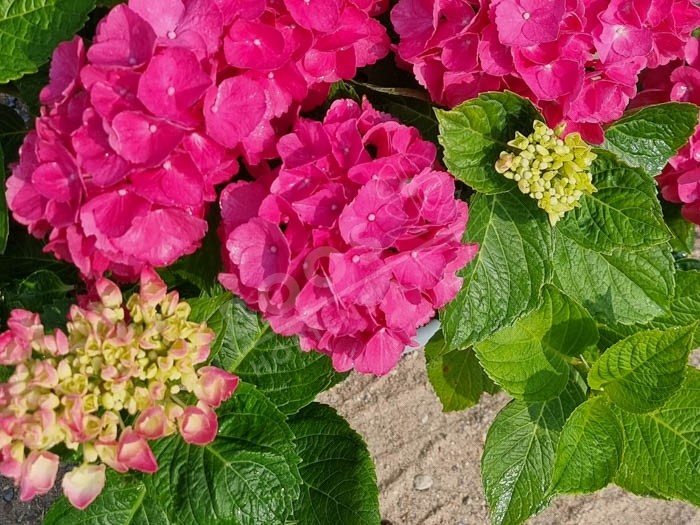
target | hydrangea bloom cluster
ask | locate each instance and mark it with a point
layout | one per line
(114, 380)
(578, 60)
(353, 242)
(680, 180)
(553, 170)
(136, 131)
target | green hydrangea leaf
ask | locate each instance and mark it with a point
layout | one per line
(4, 213)
(682, 231)
(474, 133)
(531, 359)
(648, 138)
(662, 448)
(620, 287)
(275, 364)
(516, 468)
(247, 476)
(641, 372)
(124, 501)
(624, 213)
(339, 482)
(683, 311)
(504, 279)
(456, 375)
(31, 29)
(589, 450)
(12, 132)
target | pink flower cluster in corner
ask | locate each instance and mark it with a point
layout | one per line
(680, 180)
(578, 60)
(353, 242)
(136, 132)
(73, 387)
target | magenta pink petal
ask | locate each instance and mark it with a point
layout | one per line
(162, 236)
(260, 251)
(233, 110)
(142, 139)
(254, 45)
(177, 182)
(66, 62)
(123, 38)
(172, 84)
(111, 214)
(319, 15)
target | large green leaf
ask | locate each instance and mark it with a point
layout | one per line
(531, 359)
(247, 476)
(620, 287)
(339, 483)
(642, 371)
(624, 213)
(31, 29)
(682, 231)
(683, 311)
(37, 291)
(12, 132)
(4, 213)
(589, 451)
(651, 136)
(123, 501)
(474, 133)
(504, 280)
(456, 375)
(662, 448)
(290, 377)
(516, 468)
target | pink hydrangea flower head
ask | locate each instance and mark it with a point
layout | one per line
(353, 242)
(68, 391)
(137, 130)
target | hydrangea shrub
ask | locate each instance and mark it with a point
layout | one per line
(295, 208)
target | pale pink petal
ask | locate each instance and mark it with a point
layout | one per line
(83, 484)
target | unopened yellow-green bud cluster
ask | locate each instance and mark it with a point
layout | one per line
(554, 171)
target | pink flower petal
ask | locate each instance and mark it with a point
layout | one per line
(172, 83)
(123, 38)
(198, 425)
(135, 453)
(83, 484)
(142, 139)
(233, 110)
(38, 474)
(67, 60)
(319, 15)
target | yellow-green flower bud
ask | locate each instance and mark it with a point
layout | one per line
(551, 170)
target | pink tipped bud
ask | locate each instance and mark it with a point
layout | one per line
(56, 344)
(198, 425)
(153, 289)
(25, 325)
(108, 455)
(135, 453)
(83, 484)
(38, 474)
(45, 375)
(110, 294)
(12, 350)
(152, 423)
(215, 385)
(12, 460)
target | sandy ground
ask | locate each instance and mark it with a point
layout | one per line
(413, 443)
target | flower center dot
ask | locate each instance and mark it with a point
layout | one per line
(167, 164)
(270, 75)
(172, 35)
(356, 259)
(273, 249)
(152, 128)
(121, 192)
(171, 91)
(257, 42)
(334, 207)
(132, 61)
(371, 217)
(526, 16)
(214, 109)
